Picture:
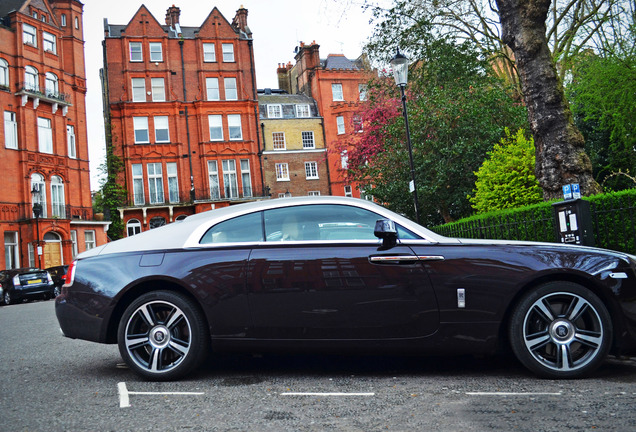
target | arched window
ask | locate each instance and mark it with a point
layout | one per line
(58, 208)
(51, 237)
(31, 78)
(4, 73)
(51, 85)
(38, 192)
(133, 227)
(157, 221)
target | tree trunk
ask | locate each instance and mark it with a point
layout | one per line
(560, 156)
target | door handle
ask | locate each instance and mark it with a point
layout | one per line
(403, 259)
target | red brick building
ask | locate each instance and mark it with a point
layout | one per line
(183, 113)
(46, 215)
(338, 85)
(294, 155)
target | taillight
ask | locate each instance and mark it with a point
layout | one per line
(69, 278)
(50, 280)
(16, 280)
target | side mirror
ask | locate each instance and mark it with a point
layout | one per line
(386, 231)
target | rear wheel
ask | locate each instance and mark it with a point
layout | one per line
(7, 298)
(561, 330)
(163, 336)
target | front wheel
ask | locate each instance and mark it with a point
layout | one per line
(561, 330)
(163, 336)
(7, 298)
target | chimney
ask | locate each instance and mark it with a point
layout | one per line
(284, 78)
(172, 16)
(240, 21)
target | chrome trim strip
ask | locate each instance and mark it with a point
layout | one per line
(620, 275)
(430, 257)
(393, 258)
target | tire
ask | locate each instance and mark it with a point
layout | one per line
(560, 330)
(163, 336)
(7, 298)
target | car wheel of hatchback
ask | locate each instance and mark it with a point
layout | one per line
(561, 330)
(163, 335)
(7, 298)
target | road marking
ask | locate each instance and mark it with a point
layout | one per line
(124, 399)
(514, 393)
(325, 394)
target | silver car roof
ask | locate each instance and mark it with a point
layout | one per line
(188, 232)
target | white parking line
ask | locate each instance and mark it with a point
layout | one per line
(514, 393)
(324, 394)
(124, 400)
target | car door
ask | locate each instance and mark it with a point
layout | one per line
(322, 274)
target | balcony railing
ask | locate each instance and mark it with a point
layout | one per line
(27, 90)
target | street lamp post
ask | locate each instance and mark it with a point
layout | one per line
(400, 65)
(37, 211)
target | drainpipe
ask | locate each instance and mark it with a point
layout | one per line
(255, 97)
(185, 101)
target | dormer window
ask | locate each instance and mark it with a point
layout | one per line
(274, 111)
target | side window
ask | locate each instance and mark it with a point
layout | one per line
(323, 222)
(320, 222)
(246, 228)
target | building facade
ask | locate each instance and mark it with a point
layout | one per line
(338, 85)
(46, 214)
(182, 111)
(294, 158)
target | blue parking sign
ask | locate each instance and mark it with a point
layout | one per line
(567, 192)
(576, 191)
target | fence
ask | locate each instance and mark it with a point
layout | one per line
(613, 218)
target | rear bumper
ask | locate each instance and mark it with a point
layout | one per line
(76, 323)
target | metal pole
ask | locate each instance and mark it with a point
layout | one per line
(408, 141)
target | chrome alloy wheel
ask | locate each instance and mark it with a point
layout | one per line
(158, 336)
(563, 331)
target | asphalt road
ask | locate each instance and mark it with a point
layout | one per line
(50, 383)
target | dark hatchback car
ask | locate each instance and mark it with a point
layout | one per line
(343, 274)
(58, 273)
(26, 283)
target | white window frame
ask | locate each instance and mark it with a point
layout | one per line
(344, 160)
(70, 141)
(138, 87)
(45, 135)
(58, 200)
(140, 125)
(228, 52)
(63, 20)
(274, 111)
(31, 78)
(135, 49)
(340, 124)
(278, 141)
(303, 111)
(336, 92)
(161, 125)
(10, 130)
(89, 239)
(154, 51)
(173, 182)
(155, 183)
(313, 193)
(308, 139)
(215, 124)
(212, 89)
(51, 85)
(133, 227)
(29, 35)
(362, 91)
(137, 171)
(311, 170)
(11, 250)
(49, 42)
(282, 171)
(209, 52)
(213, 178)
(158, 87)
(235, 125)
(4, 73)
(231, 91)
(230, 180)
(348, 192)
(246, 178)
(74, 249)
(39, 197)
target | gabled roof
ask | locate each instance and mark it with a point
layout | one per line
(8, 6)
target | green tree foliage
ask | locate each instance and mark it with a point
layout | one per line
(506, 179)
(111, 194)
(603, 100)
(456, 111)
